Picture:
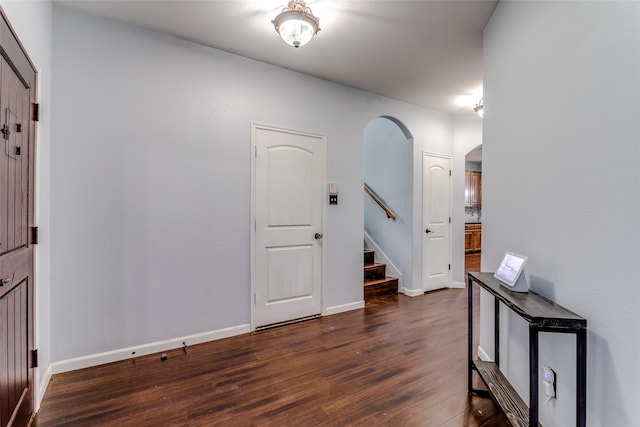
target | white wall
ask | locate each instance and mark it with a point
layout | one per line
(387, 171)
(467, 135)
(150, 181)
(562, 95)
(32, 23)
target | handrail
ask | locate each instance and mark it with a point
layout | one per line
(375, 198)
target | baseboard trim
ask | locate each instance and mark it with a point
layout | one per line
(482, 355)
(42, 387)
(343, 307)
(457, 285)
(412, 292)
(145, 349)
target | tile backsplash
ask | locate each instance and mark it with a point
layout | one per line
(472, 214)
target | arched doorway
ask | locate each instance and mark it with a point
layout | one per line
(388, 179)
(473, 209)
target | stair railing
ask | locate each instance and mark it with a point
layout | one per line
(376, 199)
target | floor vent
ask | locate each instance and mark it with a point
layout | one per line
(287, 322)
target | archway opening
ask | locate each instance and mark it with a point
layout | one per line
(473, 209)
(388, 204)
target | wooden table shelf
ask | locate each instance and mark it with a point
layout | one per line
(542, 315)
(501, 390)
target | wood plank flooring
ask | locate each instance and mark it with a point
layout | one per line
(399, 362)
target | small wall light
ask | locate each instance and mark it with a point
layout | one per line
(479, 108)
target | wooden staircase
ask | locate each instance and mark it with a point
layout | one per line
(376, 282)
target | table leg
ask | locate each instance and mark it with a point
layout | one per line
(533, 375)
(581, 376)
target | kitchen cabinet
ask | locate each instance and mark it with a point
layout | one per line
(472, 188)
(472, 238)
(468, 239)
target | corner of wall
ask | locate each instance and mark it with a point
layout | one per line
(42, 384)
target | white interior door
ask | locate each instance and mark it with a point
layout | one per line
(436, 211)
(288, 195)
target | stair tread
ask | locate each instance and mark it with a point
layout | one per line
(376, 282)
(369, 257)
(379, 281)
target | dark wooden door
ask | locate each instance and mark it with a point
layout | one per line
(17, 155)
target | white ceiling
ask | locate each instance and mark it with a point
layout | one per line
(422, 52)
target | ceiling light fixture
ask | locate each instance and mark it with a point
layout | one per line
(296, 24)
(479, 108)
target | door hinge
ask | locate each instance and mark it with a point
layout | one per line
(449, 220)
(449, 266)
(34, 235)
(34, 358)
(256, 151)
(449, 172)
(36, 112)
(254, 298)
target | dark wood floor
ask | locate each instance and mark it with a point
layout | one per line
(399, 362)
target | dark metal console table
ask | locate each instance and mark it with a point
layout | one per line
(543, 316)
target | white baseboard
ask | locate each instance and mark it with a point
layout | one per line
(482, 355)
(145, 349)
(42, 387)
(343, 307)
(412, 292)
(458, 285)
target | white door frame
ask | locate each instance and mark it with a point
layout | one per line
(422, 224)
(323, 280)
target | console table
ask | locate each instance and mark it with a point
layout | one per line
(542, 315)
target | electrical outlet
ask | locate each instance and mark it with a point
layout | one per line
(549, 382)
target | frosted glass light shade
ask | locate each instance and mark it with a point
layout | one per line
(296, 24)
(296, 32)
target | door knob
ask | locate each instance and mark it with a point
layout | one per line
(428, 231)
(318, 236)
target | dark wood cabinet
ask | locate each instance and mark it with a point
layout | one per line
(468, 239)
(472, 238)
(477, 238)
(472, 188)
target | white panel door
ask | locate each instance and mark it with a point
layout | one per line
(436, 211)
(289, 194)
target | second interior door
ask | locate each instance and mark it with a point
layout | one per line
(17, 160)
(436, 211)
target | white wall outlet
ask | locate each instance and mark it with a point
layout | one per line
(549, 382)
